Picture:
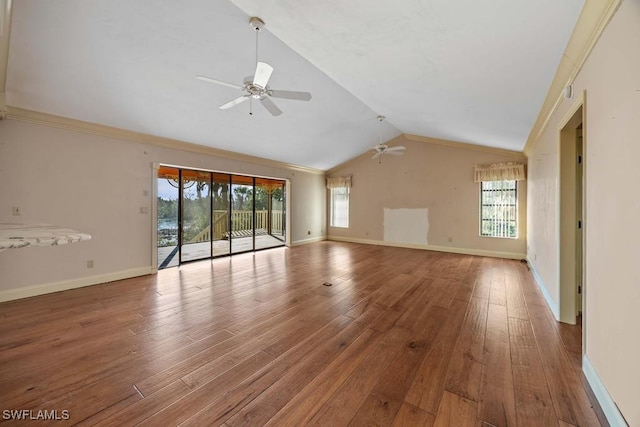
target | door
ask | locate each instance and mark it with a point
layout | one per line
(579, 221)
(571, 218)
(196, 215)
(168, 216)
(204, 214)
(221, 214)
(270, 219)
(242, 217)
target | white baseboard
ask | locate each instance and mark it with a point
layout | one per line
(32, 291)
(307, 241)
(450, 249)
(607, 404)
(555, 308)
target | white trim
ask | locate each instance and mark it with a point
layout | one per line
(450, 249)
(307, 241)
(555, 309)
(593, 19)
(607, 404)
(154, 216)
(32, 291)
(287, 212)
(518, 155)
(465, 146)
(60, 122)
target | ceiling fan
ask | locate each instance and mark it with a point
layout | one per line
(381, 148)
(256, 86)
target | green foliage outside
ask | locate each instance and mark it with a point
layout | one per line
(196, 208)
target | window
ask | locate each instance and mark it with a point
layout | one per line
(340, 207)
(498, 209)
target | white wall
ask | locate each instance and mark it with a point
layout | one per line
(611, 79)
(96, 184)
(432, 176)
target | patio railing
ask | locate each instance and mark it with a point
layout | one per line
(241, 221)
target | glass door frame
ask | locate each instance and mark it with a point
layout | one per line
(285, 213)
(182, 205)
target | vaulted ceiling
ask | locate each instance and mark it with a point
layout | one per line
(462, 70)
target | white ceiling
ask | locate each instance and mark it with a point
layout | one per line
(463, 70)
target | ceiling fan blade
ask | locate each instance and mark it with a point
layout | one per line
(270, 106)
(262, 75)
(394, 153)
(290, 94)
(375, 156)
(398, 149)
(218, 82)
(234, 102)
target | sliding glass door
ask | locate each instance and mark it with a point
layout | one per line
(242, 217)
(221, 214)
(196, 215)
(204, 214)
(270, 219)
(168, 216)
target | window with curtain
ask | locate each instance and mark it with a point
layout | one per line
(499, 209)
(340, 207)
(339, 203)
(499, 198)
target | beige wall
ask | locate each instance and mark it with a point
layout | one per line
(96, 184)
(429, 176)
(611, 79)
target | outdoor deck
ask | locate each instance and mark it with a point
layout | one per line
(168, 255)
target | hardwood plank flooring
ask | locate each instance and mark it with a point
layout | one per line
(322, 334)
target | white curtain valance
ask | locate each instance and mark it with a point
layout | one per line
(500, 172)
(339, 182)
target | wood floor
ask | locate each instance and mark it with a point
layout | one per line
(400, 337)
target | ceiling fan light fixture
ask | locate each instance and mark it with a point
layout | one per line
(256, 86)
(381, 148)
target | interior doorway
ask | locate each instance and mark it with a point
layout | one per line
(572, 222)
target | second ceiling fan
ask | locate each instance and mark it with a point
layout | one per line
(381, 148)
(256, 86)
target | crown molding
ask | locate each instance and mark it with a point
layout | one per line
(45, 119)
(462, 145)
(592, 21)
(517, 155)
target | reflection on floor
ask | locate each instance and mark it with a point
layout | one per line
(168, 255)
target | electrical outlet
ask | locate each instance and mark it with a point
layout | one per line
(90, 263)
(17, 210)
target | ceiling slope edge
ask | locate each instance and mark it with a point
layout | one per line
(365, 155)
(592, 21)
(517, 155)
(46, 119)
(465, 146)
